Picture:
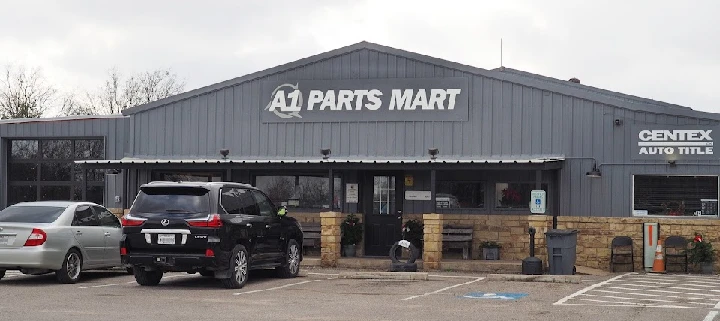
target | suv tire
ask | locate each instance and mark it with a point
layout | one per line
(147, 278)
(238, 269)
(291, 267)
(2, 274)
(69, 273)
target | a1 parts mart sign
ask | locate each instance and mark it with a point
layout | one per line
(668, 142)
(398, 99)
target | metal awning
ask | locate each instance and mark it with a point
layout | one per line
(439, 160)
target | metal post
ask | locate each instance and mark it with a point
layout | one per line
(432, 190)
(538, 179)
(331, 183)
(84, 183)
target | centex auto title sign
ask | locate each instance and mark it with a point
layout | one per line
(399, 99)
(674, 142)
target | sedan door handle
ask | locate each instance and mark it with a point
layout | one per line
(107, 233)
(78, 232)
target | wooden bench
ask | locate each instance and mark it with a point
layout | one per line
(458, 237)
(311, 235)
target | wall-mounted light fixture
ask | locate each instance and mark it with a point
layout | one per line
(618, 122)
(224, 152)
(595, 172)
(325, 152)
(433, 153)
(114, 171)
(672, 163)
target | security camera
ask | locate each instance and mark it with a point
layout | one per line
(224, 152)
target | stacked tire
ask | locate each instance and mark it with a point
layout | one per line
(409, 265)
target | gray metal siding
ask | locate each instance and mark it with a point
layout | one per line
(114, 130)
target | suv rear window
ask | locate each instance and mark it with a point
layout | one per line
(31, 214)
(180, 200)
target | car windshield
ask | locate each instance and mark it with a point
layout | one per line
(31, 214)
(180, 200)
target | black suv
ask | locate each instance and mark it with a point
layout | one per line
(218, 229)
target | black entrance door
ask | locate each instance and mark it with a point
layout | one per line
(382, 203)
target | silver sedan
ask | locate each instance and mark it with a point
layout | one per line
(58, 236)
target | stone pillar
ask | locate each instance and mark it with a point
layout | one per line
(330, 238)
(432, 241)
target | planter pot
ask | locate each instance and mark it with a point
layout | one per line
(349, 250)
(706, 267)
(491, 253)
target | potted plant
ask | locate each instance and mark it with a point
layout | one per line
(351, 230)
(490, 250)
(413, 232)
(702, 253)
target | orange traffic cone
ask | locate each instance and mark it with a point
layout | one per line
(659, 263)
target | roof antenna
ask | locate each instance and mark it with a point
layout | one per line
(501, 53)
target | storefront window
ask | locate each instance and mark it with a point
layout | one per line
(675, 195)
(456, 195)
(43, 169)
(308, 192)
(515, 195)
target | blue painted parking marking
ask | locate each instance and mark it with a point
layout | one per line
(495, 296)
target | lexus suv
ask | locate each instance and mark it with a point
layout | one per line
(217, 229)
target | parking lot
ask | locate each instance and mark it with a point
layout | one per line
(319, 294)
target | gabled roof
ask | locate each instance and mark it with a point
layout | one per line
(504, 74)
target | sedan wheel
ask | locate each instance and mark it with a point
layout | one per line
(71, 268)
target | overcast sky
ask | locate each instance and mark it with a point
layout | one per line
(664, 50)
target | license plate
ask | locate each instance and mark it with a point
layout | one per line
(4, 239)
(166, 238)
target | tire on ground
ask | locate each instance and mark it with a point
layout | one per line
(414, 253)
(403, 267)
(236, 281)
(147, 278)
(291, 267)
(62, 274)
(2, 274)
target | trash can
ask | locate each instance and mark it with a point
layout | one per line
(561, 249)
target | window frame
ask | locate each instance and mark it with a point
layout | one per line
(339, 184)
(632, 197)
(75, 183)
(495, 207)
(483, 182)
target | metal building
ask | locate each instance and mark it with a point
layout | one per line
(399, 132)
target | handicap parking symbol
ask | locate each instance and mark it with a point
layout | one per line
(495, 296)
(537, 201)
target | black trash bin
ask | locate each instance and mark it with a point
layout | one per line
(562, 251)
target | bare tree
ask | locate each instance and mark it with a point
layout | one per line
(24, 93)
(117, 93)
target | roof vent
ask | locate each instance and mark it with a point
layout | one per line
(575, 80)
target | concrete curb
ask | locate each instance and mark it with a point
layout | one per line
(410, 276)
(535, 278)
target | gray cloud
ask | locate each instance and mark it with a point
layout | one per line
(657, 49)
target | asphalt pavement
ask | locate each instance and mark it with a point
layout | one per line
(318, 294)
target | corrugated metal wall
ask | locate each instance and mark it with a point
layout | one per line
(506, 119)
(114, 130)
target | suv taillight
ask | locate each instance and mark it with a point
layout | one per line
(211, 221)
(36, 238)
(128, 220)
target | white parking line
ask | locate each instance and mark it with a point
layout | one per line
(323, 274)
(711, 316)
(717, 306)
(591, 287)
(444, 289)
(275, 288)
